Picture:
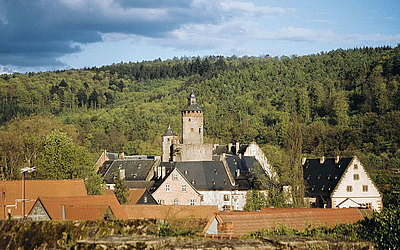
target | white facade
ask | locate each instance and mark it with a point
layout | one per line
(225, 200)
(356, 187)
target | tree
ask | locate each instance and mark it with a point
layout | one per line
(62, 159)
(94, 184)
(293, 145)
(121, 189)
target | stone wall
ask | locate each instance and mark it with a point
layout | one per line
(193, 152)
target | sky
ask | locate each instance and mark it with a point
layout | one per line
(48, 35)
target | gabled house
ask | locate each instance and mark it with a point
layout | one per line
(137, 170)
(11, 194)
(175, 189)
(67, 208)
(338, 183)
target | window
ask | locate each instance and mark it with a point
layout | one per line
(226, 208)
(365, 188)
(201, 198)
(226, 197)
(175, 177)
(355, 166)
(183, 187)
(199, 130)
(368, 205)
(176, 202)
(191, 202)
(191, 129)
(190, 120)
(161, 202)
(145, 199)
(349, 188)
(356, 177)
(167, 188)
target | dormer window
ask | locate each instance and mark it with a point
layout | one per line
(193, 182)
(329, 177)
(319, 177)
(186, 171)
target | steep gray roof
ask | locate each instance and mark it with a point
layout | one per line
(205, 175)
(135, 169)
(169, 132)
(321, 179)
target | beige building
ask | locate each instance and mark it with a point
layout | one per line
(176, 190)
(339, 183)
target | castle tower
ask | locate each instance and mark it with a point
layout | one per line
(169, 138)
(192, 122)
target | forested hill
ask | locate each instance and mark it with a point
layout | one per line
(347, 100)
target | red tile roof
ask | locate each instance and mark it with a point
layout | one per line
(11, 193)
(165, 211)
(239, 223)
(134, 195)
(53, 205)
(97, 212)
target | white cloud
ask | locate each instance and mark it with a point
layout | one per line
(248, 8)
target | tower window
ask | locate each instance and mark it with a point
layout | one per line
(190, 120)
(191, 130)
(199, 130)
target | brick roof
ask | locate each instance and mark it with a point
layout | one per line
(241, 223)
(34, 189)
(165, 211)
(53, 205)
(76, 212)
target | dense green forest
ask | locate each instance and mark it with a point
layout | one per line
(347, 101)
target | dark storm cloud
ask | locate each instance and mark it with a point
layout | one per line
(37, 32)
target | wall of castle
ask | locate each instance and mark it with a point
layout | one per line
(193, 152)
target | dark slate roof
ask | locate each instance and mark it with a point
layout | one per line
(193, 107)
(139, 184)
(220, 149)
(321, 179)
(205, 175)
(169, 132)
(135, 169)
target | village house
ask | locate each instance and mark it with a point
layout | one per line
(339, 183)
(91, 207)
(12, 194)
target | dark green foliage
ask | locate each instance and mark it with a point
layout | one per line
(121, 190)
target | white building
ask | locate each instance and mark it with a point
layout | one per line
(339, 183)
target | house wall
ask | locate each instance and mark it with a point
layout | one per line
(357, 194)
(254, 150)
(193, 152)
(38, 213)
(237, 199)
(164, 197)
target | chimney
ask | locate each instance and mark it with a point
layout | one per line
(230, 147)
(63, 212)
(121, 156)
(122, 174)
(303, 160)
(237, 173)
(322, 160)
(163, 172)
(337, 159)
(237, 147)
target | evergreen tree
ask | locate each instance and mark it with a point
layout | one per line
(293, 145)
(121, 189)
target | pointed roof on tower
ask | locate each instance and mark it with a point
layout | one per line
(192, 104)
(169, 132)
